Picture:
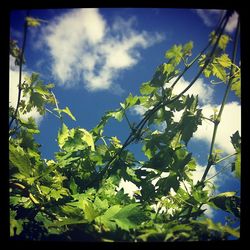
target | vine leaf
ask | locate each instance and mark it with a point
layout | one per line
(236, 87)
(146, 89)
(30, 125)
(228, 202)
(219, 71)
(218, 227)
(107, 218)
(66, 111)
(87, 137)
(236, 165)
(129, 216)
(89, 211)
(73, 186)
(20, 159)
(189, 125)
(224, 39)
(175, 54)
(33, 22)
(62, 135)
(165, 184)
(16, 226)
(224, 61)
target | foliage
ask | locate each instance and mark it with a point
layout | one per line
(76, 196)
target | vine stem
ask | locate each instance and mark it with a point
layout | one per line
(158, 106)
(52, 113)
(216, 123)
(142, 123)
(60, 116)
(25, 29)
(225, 158)
(219, 172)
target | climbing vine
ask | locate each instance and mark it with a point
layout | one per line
(76, 196)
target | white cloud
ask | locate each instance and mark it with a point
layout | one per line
(85, 48)
(210, 18)
(138, 110)
(230, 120)
(230, 123)
(128, 187)
(13, 91)
(232, 22)
(200, 88)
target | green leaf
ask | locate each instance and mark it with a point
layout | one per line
(128, 217)
(210, 225)
(236, 140)
(131, 100)
(30, 125)
(20, 160)
(50, 86)
(207, 71)
(146, 89)
(116, 142)
(187, 48)
(118, 114)
(190, 124)
(175, 54)
(147, 190)
(224, 61)
(33, 22)
(72, 185)
(16, 226)
(58, 193)
(236, 87)
(238, 165)
(168, 68)
(158, 78)
(107, 218)
(66, 111)
(182, 158)
(228, 202)
(88, 138)
(89, 211)
(37, 101)
(62, 135)
(224, 39)
(101, 204)
(165, 184)
(219, 71)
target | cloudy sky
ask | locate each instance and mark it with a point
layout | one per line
(96, 57)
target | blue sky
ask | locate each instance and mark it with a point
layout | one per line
(96, 57)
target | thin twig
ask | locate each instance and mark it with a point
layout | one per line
(25, 28)
(216, 124)
(142, 123)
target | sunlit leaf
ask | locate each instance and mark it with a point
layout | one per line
(62, 135)
(146, 89)
(87, 137)
(16, 225)
(20, 160)
(224, 61)
(33, 22)
(175, 54)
